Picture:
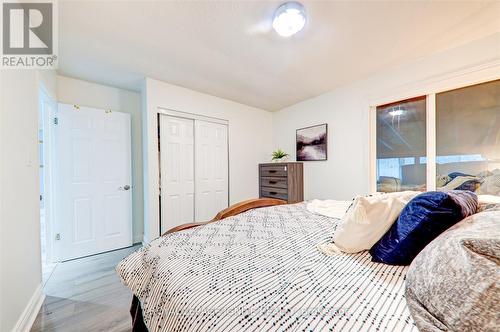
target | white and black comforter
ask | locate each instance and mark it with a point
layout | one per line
(260, 271)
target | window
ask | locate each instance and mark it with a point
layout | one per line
(468, 138)
(401, 145)
(467, 141)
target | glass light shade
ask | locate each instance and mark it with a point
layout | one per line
(396, 112)
(289, 19)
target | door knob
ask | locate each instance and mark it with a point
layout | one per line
(125, 187)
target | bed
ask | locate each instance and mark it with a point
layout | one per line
(260, 271)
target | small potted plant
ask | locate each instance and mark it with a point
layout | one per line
(280, 156)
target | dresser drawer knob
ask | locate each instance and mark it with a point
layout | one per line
(272, 171)
(273, 182)
(273, 193)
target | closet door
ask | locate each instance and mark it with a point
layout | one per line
(177, 171)
(211, 169)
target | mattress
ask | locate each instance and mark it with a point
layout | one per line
(260, 271)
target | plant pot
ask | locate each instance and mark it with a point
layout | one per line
(281, 160)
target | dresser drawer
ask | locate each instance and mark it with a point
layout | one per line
(273, 170)
(274, 182)
(282, 181)
(274, 193)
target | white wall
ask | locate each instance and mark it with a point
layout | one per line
(20, 291)
(346, 110)
(250, 141)
(74, 91)
(20, 257)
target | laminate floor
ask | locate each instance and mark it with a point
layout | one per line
(86, 295)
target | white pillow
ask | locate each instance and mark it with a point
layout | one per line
(369, 219)
(329, 208)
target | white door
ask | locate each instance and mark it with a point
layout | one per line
(93, 174)
(177, 171)
(211, 169)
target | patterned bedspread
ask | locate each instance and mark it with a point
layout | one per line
(260, 271)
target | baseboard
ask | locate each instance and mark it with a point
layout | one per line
(29, 314)
(145, 239)
(138, 238)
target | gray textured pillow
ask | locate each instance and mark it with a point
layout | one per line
(453, 283)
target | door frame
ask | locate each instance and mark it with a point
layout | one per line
(191, 116)
(51, 255)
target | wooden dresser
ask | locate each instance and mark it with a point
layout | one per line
(282, 180)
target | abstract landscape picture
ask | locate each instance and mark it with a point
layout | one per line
(312, 143)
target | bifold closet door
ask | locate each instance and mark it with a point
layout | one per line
(211, 169)
(177, 171)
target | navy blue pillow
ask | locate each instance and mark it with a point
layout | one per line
(455, 174)
(467, 185)
(470, 185)
(421, 221)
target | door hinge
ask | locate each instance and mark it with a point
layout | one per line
(58, 236)
(56, 121)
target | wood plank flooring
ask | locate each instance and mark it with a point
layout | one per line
(86, 295)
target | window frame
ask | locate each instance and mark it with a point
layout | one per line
(373, 137)
(430, 94)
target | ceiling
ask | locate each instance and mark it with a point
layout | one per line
(229, 50)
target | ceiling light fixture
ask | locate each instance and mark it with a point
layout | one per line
(289, 19)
